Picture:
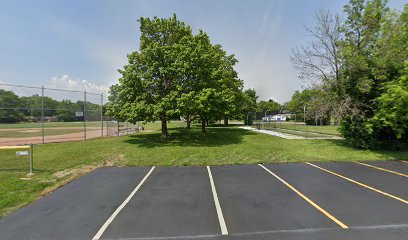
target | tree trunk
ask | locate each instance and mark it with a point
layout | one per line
(207, 122)
(188, 122)
(165, 133)
(225, 121)
(203, 126)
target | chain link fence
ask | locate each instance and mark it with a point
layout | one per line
(43, 115)
(307, 123)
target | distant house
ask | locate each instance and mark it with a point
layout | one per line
(283, 116)
(274, 118)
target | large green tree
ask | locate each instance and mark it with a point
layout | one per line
(147, 89)
(211, 90)
(373, 50)
(175, 73)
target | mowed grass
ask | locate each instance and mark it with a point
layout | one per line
(49, 124)
(35, 132)
(329, 129)
(57, 164)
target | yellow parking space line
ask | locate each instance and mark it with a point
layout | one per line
(382, 169)
(15, 147)
(403, 161)
(360, 184)
(327, 214)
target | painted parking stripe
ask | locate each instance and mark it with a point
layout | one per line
(382, 169)
(360, 184)
(327, 214)
(223, 226)
(404, 161)
(116, 212)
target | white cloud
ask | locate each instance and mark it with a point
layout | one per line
(66, 82)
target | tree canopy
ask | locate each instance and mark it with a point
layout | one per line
(175, 73)
(371, 52)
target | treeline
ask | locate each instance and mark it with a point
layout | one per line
(309, 105)
(174, 74)
(16, 109)
(357, 66)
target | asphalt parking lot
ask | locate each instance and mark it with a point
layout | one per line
(356, 200)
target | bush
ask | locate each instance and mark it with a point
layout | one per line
(356, 133)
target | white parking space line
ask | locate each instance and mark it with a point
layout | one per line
(223, 226)
(116, 212)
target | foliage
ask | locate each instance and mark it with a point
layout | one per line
(249, 100)
(316, 103)
(269, 106)
(16, 109)
(369, 97)
(147, 89)
(175, 73)
(392, 114)
(8, 102)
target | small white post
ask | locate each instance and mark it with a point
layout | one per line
(31, 160)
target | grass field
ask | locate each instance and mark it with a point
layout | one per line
(34, 132)
(56, 164)
(49, 124)
(301, 133)
(331, 129)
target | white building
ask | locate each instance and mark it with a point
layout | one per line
(274, 118)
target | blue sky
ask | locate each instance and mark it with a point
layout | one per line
(80, 44)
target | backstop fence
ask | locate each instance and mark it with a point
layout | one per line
(43, 115)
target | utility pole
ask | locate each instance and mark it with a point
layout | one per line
(42, 114)
(84, 115)
(102, 115)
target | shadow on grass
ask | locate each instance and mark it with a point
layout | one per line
(183, 138)
(387, 154)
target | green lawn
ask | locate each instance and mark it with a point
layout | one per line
(36, 132)
(49, 124)
(56, 164)
(301, 133)
(331, 129)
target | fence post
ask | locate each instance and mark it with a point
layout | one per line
(247, 123)
(84, 115)
(304, 115)
(102, 115)
(42, 114)
(31, 159)
(295, 122)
